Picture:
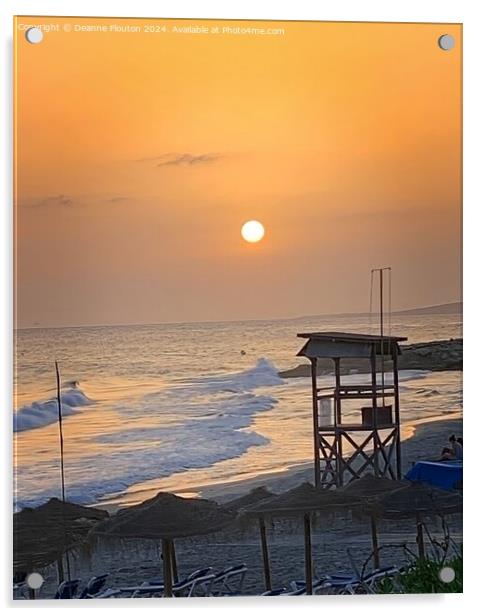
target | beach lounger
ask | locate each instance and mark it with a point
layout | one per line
(294, 592)
(229, 582)
(108, 593)
(94, 587)
(346, 583)
(295, 589)
(19, 590)
(197, 584)
(19, 585)
(363, 584)
(298, 587)
(275, 593)
(67, 589)
(194, 584)
(159, 581)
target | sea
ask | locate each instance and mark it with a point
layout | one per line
(178, 406)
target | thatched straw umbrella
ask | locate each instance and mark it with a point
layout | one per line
(368, 488)
(416, 501)
(256, 495)
(41, 536)
(80, 518)
(55, 508)
(164, 518)
(304, 499)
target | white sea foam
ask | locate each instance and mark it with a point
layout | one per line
(199, 422)
(264, 374)
(39, 414)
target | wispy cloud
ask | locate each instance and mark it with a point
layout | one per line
(182, 159)
(52, 200)
(69, 201)
(117, 199)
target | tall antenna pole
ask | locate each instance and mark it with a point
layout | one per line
(371, 301)
(381, 337)
(381, 304)
(381, 271)
(389, 301)
(62, 475)
(61, 434)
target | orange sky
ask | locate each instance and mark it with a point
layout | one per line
(140, 155)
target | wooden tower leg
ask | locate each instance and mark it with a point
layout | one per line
(373, 366)
(167, 568)
(308, 556)
(60, 570)
(376, 551)
(265, 553)
(337, 418)
(396, 388)
(420, 539)
(175, 575)
(316, 436)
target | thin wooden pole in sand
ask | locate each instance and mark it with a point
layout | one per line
(62, 473)
(308, 557)
(264, 550)
(376, 551)
(60, 570)
(420, 541)
(167, 567)
(174, 562)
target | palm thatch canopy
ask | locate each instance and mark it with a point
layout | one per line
(251, 498)
(417, 500)
(56, 509)
(370, 486)
(42, 535)
(167, 516)
(305, 498)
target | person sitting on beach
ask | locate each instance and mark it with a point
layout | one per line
(455, 451)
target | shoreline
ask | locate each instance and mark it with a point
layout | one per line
(423, 433)
(421, 439)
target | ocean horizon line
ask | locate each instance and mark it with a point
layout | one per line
(457, 309)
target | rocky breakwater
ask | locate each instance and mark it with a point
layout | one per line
(436, 356)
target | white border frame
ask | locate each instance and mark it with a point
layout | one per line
(459, 11)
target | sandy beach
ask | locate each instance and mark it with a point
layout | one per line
(422, 439)
(131, 561)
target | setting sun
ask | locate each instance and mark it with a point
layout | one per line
(252, 231)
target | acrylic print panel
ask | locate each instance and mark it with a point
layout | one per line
(238, 309)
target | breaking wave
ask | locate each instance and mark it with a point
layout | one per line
(210, 423)
(39, 414)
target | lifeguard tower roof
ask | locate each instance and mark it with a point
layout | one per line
(345, 344)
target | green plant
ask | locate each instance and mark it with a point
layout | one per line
(422, 576)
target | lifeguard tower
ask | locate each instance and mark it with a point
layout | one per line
(347, 447)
